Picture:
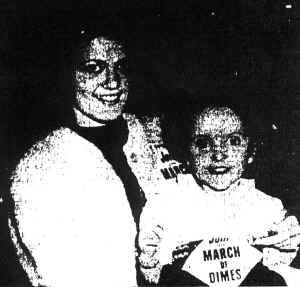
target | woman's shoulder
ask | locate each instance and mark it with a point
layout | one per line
(62, 151)
(49, 148)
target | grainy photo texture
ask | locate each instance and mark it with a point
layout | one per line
(149, 143)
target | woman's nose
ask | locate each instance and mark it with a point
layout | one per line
(112, 78)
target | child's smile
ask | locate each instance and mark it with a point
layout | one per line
(218, 169)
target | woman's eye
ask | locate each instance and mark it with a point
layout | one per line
(93, 67)
(203, 143)
(235, 140)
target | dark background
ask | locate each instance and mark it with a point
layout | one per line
(249, 49)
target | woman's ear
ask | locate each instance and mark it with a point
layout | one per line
(252, 155)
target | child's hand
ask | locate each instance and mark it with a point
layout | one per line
(281, 247)
(285, 236)
(272, 258)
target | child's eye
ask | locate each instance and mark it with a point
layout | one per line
(235, 140)
(203, 143)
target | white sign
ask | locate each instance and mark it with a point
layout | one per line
(221, 261)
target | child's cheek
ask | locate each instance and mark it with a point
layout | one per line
(198, 158)
(237, 157)
(200, 163)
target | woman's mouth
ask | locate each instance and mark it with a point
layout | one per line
(218, 170)
(110, 99)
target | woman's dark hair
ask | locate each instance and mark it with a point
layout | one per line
(76, 39)
(177, 124)
(41, 95)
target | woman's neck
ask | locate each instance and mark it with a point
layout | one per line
(83, 120)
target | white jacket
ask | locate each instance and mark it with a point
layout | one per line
(71, 210)
(72, 213)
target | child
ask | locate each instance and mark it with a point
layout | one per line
(215, 201)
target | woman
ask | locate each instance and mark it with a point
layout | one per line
(74, 200)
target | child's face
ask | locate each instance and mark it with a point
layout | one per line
(218, 149)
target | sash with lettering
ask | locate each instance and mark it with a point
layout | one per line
(222, 261)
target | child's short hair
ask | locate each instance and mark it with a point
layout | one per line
(177, 124)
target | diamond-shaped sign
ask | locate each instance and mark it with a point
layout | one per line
(221, 261)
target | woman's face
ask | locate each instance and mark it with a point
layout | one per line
(219, 148)
(101, 87)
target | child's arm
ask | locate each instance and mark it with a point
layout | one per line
(281, 248)
(285, 241)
